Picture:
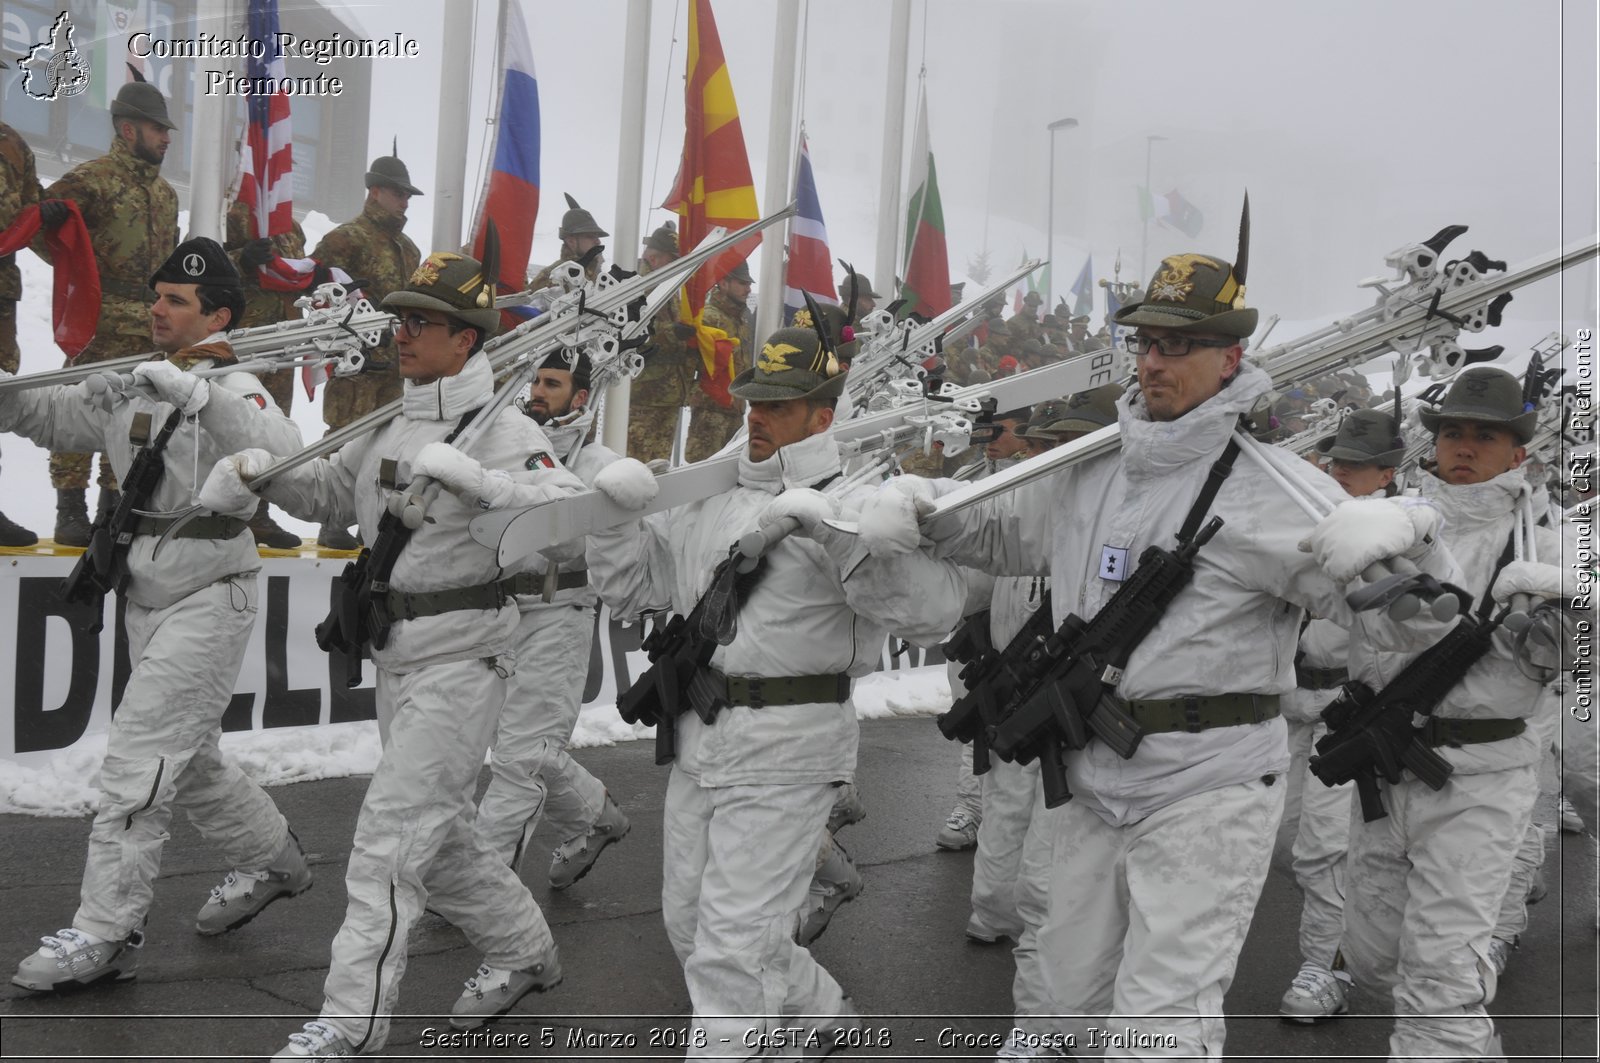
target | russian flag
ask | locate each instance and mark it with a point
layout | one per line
(511, 197)
(810, 267)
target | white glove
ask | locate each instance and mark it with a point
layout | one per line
(627, 483)
(168, 383)
(1535, 578)
(889, 521)
(803, 504)
(1364, 530)
(461, 473)
(225, 492)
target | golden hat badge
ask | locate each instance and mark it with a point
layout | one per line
(428, 272)
(774, 357)
(1176, 279)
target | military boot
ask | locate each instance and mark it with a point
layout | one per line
(333, 538)
(269, 533)
(14, 534)
(72, 517)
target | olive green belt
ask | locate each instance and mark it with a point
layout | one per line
(1203, 712)
(1309, 678)
(526, 583)
(213, 526)
(403, 606)
(1442, 732)
(136, 293)
(760, 691)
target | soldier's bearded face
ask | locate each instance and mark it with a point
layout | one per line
(150, 141)
(552, 396)
(1472, 452)
(1174, 386)
(774, 425)
(176, 319)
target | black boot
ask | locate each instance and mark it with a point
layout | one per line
(72, 517)
(269, 534)
(14, 534)
(332, 538)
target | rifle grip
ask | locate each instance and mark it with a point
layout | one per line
(1053, 774)
(1372, 808)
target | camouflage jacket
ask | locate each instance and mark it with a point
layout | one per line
(132, 216)
(19, 187)
(667, 374)
(260, 307)
(733, 318)
(542, 278)
(372, 249)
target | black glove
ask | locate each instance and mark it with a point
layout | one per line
(53, 212)
(683, 331)
(256, 253)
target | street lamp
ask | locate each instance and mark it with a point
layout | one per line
(1050, 211)
(1144, 240)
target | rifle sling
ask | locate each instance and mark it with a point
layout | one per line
(1208, 491)
(1203, 712)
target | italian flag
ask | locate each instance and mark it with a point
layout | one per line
(926, 289)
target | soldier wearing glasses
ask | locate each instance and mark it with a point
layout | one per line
(1158, 860)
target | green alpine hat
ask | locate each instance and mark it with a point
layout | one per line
(863, 286)
(741, 273)
(389, 172)
(141, 100)
(1083, 411)
(452, 284)
(1195, 293)
(1484, 393)
(664, 239)
(1370, 437)
(790, 365)
(579, 222)
(845, 344)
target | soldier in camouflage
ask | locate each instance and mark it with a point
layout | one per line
(712, 424)
(262, 307)
(660, 390)
(19, 188)
(373, 249)
(132, 216)
(580, 242)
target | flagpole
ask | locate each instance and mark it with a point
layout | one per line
(486, 154)
(780, 174)
(455, 118)
(1144, 240)
(1050, 212)
(212, 132)
(894, 133)
(630, 191)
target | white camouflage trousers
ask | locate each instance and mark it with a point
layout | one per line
(1312, 841)
(533, 773)
(736, 863)
(1008, 803)
(415, 845)
(1146, 921)
(1425, 885)
(163, 752)
(1032, 997)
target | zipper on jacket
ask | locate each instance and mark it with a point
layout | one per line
(155, 788)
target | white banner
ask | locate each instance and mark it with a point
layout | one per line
(64, 677)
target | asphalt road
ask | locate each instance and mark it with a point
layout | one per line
(898, 949)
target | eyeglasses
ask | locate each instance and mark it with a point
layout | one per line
(1139, 344)
(413, 324)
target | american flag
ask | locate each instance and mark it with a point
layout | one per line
(267, 160)
(810, 267)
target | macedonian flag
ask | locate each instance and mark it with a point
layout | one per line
(714, 186)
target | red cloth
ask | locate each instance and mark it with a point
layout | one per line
(75, 309)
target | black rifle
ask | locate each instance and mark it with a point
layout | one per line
(991, 677)
(1065, 682)
(678, 651)
(360, 611)
(103, 567)
(1371, 733)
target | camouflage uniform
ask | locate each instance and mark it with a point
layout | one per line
(132, 216)
(264, 307)
(373, 249)
(19, 187)
(712, 425)
(542, 278)
(660, 389)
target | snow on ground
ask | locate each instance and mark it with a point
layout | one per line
(65, 785)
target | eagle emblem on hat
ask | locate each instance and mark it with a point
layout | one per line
(774, 357)
(1176, 279)
(428, 272)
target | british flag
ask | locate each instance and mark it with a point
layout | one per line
(810, 267)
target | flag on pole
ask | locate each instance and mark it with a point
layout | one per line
(713, 187)
(511, 194)
(1147, 204)
(1083, 289)
(926, 289)
(810, 266)
(266, 163)
(1181, 215)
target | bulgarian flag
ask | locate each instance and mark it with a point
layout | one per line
(926, 289)
(713, 187)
